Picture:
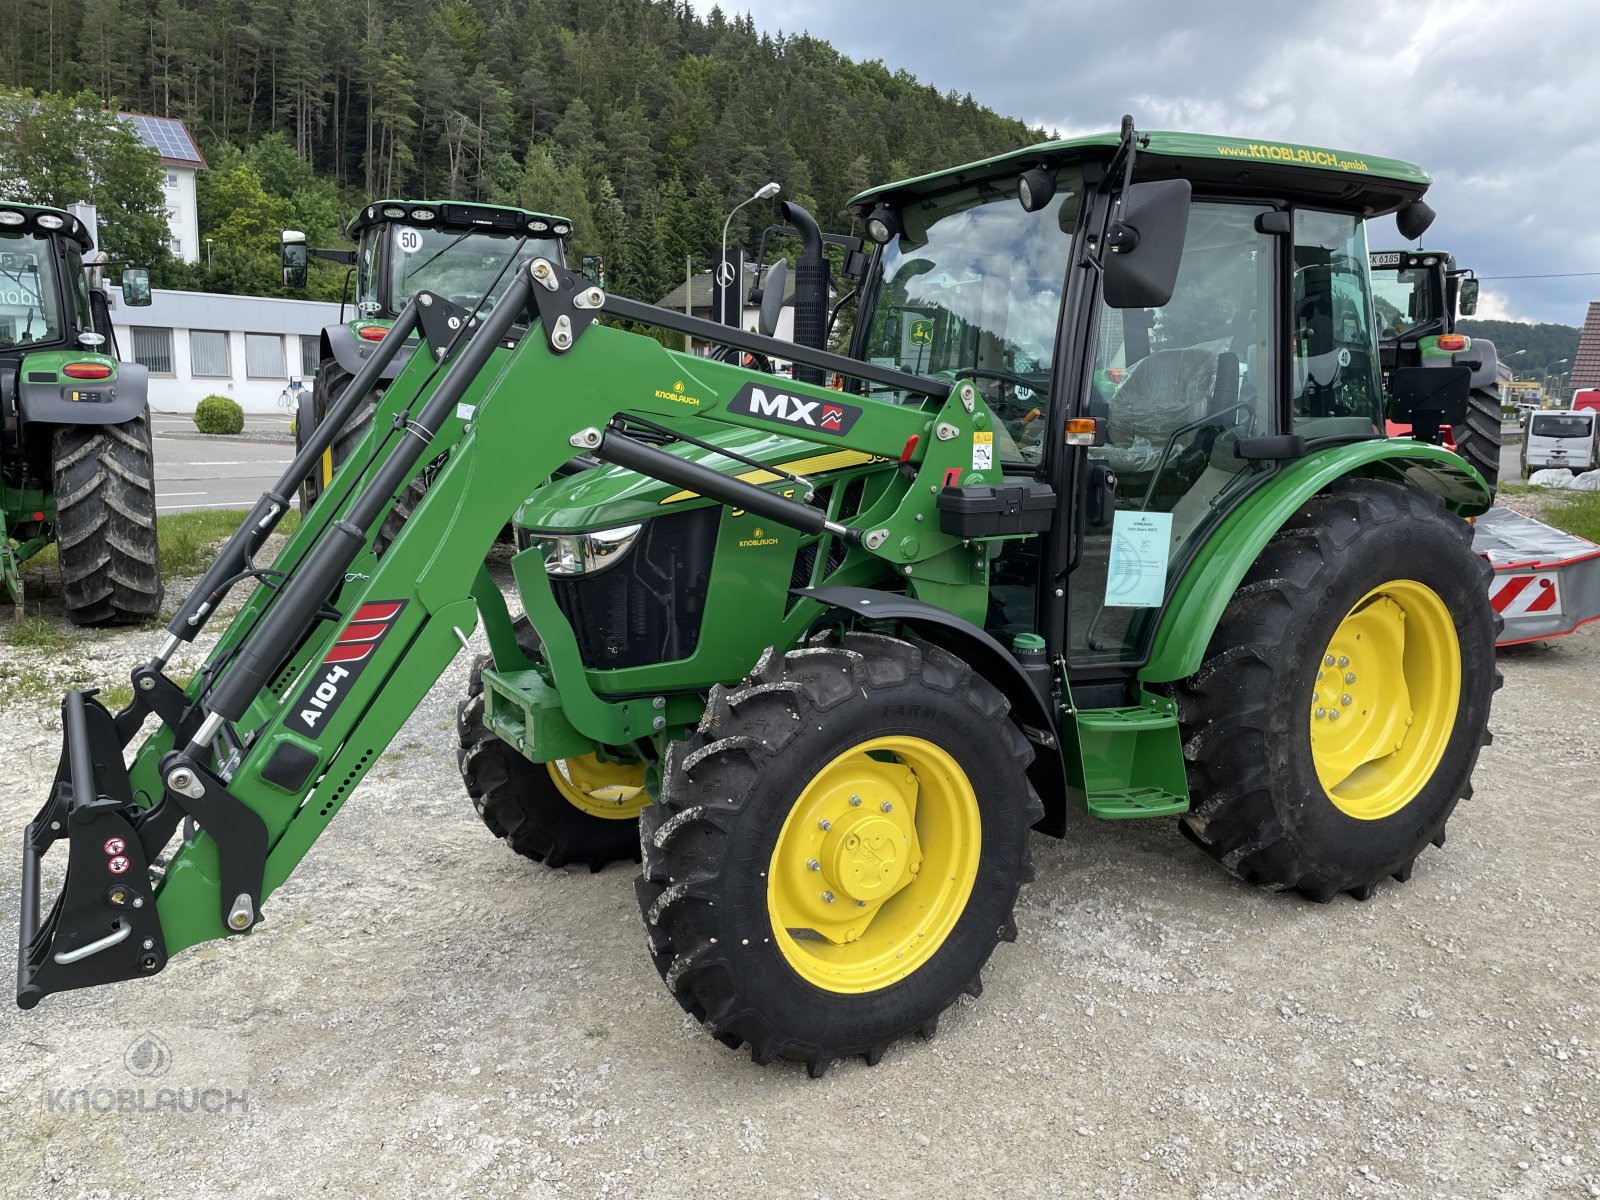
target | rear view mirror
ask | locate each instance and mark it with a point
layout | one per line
(772, 296)
(135, 287)
(1467, 302)
(1145, 244)
(294, 257)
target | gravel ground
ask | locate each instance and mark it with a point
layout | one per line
(424, 1014)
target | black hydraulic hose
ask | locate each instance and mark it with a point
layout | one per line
(810, 290)
(304, 594)
(623, 451)
(228, 567)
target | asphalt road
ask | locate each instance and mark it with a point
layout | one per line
(194, 471)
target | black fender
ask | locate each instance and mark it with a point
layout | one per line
(988, 658)
(340, 343)
(100, 401)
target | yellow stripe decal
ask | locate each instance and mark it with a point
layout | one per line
(327, 466)
(817, 464)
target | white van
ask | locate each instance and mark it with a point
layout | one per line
(1561, 439)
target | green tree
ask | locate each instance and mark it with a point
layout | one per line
(58, 149)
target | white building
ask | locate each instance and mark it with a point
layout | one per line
(180, 159)
(200, 344)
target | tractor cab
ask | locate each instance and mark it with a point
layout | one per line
(466, 253)
(1188, 339)
(1419, 295)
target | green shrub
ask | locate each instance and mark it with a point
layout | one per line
(218, 414)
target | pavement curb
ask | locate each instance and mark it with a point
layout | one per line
(285, 438)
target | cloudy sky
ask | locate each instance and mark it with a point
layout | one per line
(1500, 102)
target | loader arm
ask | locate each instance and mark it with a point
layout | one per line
(319, 670)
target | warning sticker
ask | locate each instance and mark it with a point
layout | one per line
(982, 451)
(409, 240)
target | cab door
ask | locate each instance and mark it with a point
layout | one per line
(1177, 390)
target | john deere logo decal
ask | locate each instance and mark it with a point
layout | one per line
(921, 333)
(342, 666)
(826, 416)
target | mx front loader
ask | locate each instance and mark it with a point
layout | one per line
(1104, 523)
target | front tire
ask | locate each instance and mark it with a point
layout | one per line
(1329, 776)
(331, 381)
(574, 811)
(105, 492)
(838, 849)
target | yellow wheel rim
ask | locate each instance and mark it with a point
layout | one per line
(611, 790)
(1384, 701)
(874, 865)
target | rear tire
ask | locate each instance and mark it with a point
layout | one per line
(104, 480)
(1290, 800)
(332, 379)
(872, 779)
(539, 809)
(1478, 439)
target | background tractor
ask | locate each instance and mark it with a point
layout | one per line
(448, 248)
(75, 457)
(1418, 295)
(1102, 523)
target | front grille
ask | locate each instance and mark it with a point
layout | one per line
(648, 607)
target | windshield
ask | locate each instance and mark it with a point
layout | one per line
(456, 264)
(29, 311)
(972, 287)
(1545, 425)
(1402, 301)
(1337, 389)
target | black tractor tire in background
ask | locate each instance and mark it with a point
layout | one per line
(746, 781)
(519, 800)
(1246, 716)
(105, 493)
(331, 381)
(1478, 438)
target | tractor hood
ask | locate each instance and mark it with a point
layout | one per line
(607, 496)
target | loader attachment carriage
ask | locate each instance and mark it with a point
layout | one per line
(1074, 528)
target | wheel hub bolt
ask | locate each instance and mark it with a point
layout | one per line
(886, 806)
(824, 824)
(861, 903)
(1333, 714)
(855, 801)
(1349, 676)
(1328, 662)
(1343, 661)
(827, 897)
(813, 865)
(1320, 713)
(1345, 699)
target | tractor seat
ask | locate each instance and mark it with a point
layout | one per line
(1163, 392)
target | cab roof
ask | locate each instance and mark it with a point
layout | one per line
(1338, 179)
(70, 226)
(459, 214)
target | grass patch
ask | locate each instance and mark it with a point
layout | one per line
(116, 697)
(185, 538)
(37, 633)
(1578, 514)
(26, 685)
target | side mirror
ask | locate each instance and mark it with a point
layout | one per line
(1467, 300)
(135, 287)
(1145, 244)
(772, 297)
(294, 257)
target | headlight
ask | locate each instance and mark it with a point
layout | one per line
(587, 553)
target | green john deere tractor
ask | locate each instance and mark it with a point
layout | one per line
(444, 247)
(1418, 294)
(75, 457)
(1104, 522)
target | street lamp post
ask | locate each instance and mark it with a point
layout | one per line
(1560, 362)
(765, 192)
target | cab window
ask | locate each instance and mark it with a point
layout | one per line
(1335, 383)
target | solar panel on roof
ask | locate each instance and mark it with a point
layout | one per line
(165, 135)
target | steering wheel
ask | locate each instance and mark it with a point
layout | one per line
(1036, 384)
